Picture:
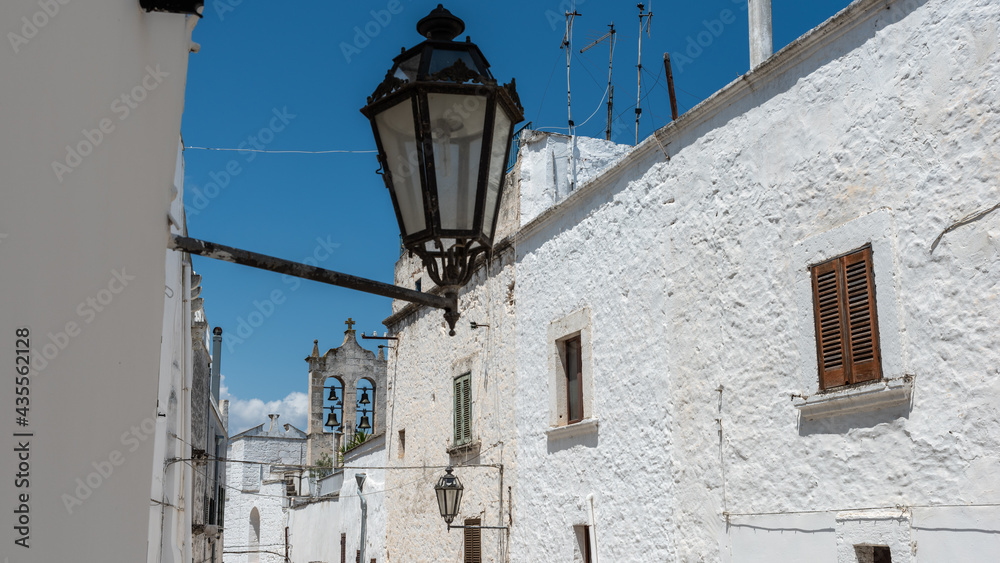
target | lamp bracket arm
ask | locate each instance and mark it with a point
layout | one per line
(448, 302)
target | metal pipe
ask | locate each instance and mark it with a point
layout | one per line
(670, 85)
(448, 302)
(360, 477)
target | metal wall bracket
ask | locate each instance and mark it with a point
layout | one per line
(448, 302)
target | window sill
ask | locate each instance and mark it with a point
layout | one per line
(462, 448)
(856, 398)
(585, 426)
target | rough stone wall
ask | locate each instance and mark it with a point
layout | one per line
(350, 363)
(689, 268)
(422, 368)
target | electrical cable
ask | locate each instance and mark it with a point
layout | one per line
(332, 151)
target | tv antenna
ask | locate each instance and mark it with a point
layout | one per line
(611, 60)
(638, 88)
(567, 44)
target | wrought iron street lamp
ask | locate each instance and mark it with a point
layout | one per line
(449, 498)
(443, 127)
(449, 495)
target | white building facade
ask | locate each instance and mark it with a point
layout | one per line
(670, 380)
(686, 270)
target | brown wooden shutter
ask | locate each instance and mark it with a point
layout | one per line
(862, 321)
(846, 320)
(343, 548)
(473, 545)
(830, 341)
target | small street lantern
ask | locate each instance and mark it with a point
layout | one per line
(449, 495)
(443, 127)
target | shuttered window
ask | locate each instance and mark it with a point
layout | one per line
(463, 409)
(473, 545)
(846, 321)
(343, 548)
(574, 379)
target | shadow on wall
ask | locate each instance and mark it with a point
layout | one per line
(844, 423)
(589, 440)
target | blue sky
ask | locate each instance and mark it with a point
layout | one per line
(294, 79)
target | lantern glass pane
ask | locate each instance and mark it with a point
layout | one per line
(396, 131)
(498, 161)
(407, 70)
(444, 58)
(457, 125)
(442, 507)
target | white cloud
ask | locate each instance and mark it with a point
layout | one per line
(247, 413)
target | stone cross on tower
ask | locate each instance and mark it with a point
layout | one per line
(350, 323)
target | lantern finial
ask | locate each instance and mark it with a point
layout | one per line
(440, 25)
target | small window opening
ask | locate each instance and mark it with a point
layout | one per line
(873, 554)
(402, 444)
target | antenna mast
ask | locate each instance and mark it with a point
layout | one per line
(611, 60)
(638, 87)
(567, 44)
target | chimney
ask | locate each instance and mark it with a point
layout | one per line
(761, 32)
(216, 362)
(274, 420)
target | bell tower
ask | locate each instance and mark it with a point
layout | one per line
(347, 388)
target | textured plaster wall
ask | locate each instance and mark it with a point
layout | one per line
(688, 267)
(422, 368)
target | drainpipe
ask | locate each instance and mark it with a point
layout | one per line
(761, 32)
(593, 529)
(364, 511)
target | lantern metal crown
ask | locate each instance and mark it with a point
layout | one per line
(443, 126)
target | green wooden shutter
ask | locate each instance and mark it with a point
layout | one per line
(463, 409)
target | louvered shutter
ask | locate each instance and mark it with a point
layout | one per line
(861, 317)
(343, 548)
(830, 341)
(467, 408)
(473, 544)
(463, 409)
(458, 410)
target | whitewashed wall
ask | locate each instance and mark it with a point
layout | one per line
(422, 368)
(881, 127)
(249, 487)
(86, 189)
(314, 529)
